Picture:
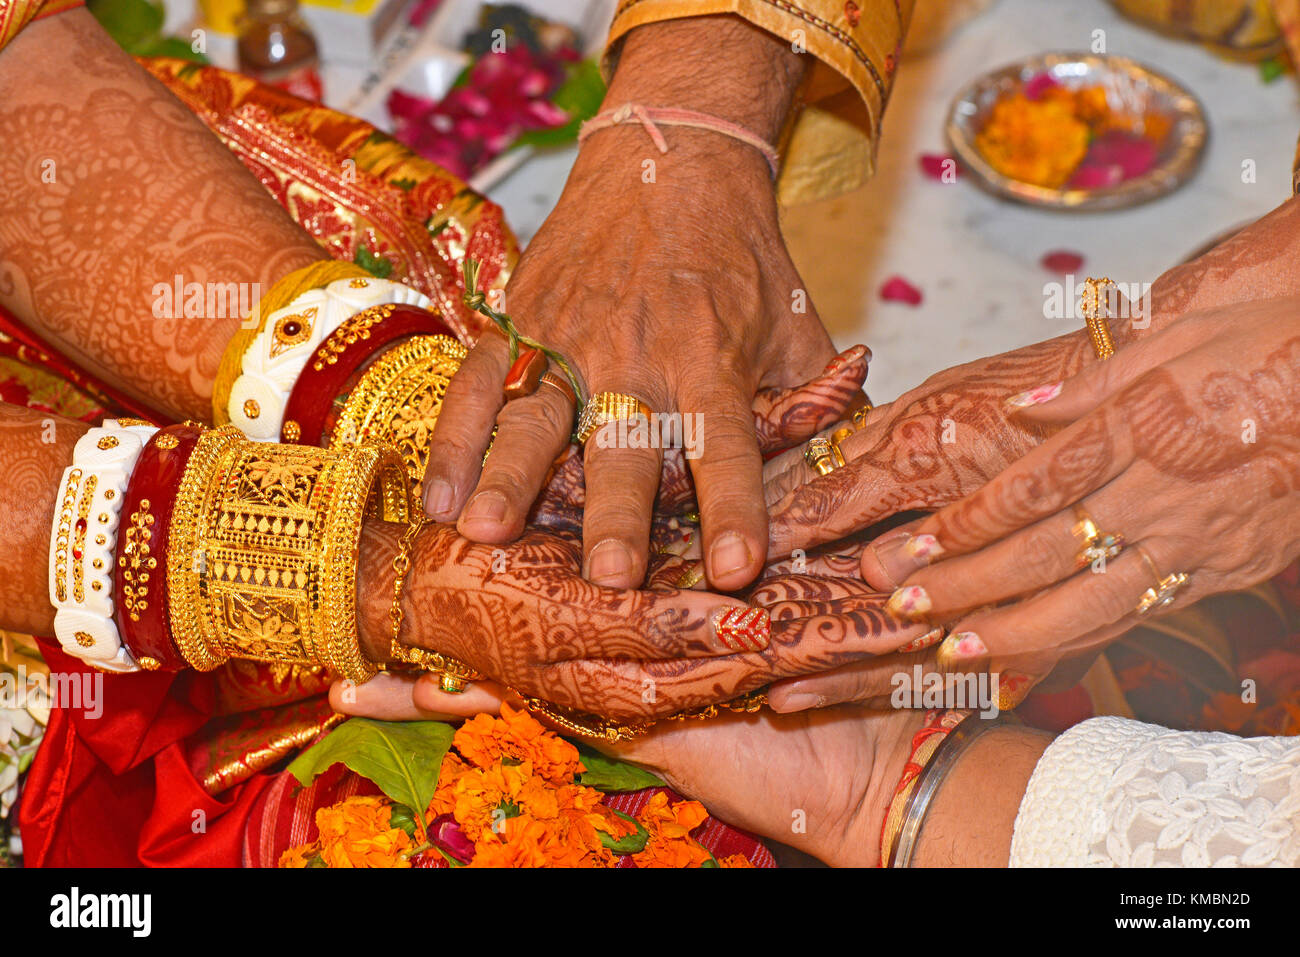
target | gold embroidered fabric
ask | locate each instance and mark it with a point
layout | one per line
(1238, 28)
(16, 14)
(832, 145)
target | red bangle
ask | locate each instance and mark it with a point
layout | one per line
(340, 356)
(140, 573)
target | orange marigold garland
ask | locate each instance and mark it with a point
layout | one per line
(508, 795)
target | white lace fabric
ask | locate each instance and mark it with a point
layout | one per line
(1112, 792)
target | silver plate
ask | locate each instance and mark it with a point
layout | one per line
(1129, 85)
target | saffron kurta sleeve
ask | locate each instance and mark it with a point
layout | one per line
(16, 14)
(830, 146)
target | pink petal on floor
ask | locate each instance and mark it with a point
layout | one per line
(934, 165)
(1062, 261)
(898, 289)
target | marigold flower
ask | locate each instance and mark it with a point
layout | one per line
(735, 860)
(298, 856)
(670, 843)
(356, 833)
(517, 736)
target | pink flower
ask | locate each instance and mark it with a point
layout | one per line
(1039, 84)
(445, 833)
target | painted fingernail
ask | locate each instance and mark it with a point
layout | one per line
(729, 553)
(802, 701)
(743, 628)
(844, 358)
(438, 496)
(902, 553)
(928, 640)
(486, 507)
(1035, 396)
(965, 645)
(609, 561)
(910, 602)
(1013, 688)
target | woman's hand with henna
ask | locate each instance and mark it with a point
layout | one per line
(523, 615)
(1186, 445)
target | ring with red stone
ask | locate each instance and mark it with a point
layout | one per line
(525, 374)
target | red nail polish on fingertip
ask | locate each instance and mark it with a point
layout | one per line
(744, 628)
(928, 640)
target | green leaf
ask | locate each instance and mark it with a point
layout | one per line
(610, 775)
(1271, 69)
(630, 844)
(128, 22)
(401, 757)
(377, 266)
(168, 46)
(405, 184)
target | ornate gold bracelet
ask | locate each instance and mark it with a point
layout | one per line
(398, 399)
(263, 550)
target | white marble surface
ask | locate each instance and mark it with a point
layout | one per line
(976, 258)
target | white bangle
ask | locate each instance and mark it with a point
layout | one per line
(272, 363)
(83, 542)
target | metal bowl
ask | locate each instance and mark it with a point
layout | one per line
(1129, 86)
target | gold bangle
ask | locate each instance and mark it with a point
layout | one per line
(263, 550)
(1095, 316)
(398, 399)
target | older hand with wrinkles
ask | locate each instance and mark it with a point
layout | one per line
(676, 289)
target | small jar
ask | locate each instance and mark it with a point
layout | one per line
(277, 48)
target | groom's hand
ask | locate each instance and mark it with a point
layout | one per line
(662, 276)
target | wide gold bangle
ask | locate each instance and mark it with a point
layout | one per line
(398, 399)
(263, 550)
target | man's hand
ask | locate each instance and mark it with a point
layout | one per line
(663, 276)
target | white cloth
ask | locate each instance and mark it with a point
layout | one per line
(1112, 792)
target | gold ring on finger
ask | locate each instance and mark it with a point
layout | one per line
(822, 455)
(556, 381)
(606, 407)
(1164, 591)
(1094, 544)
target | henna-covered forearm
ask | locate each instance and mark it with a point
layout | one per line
(109, 187)
(37, 448)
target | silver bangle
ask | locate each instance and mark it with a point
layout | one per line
(945, 757)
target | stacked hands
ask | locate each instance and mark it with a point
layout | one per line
(1184, 445)
(1012, 515)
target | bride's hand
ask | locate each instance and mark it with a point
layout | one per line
(523, 615)
(927, 448)
(1186, 444)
